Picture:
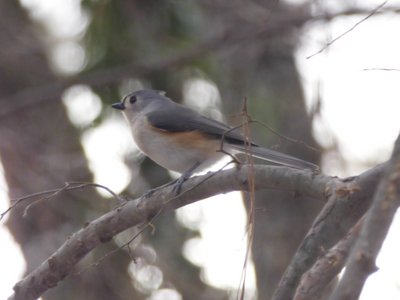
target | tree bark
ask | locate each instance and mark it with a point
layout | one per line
(145, 209)
(40, 149)
(264, 72)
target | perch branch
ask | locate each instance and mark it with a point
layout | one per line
(139, 211)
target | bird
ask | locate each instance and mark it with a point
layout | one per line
(182, 140)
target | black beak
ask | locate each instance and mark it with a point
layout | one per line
(119, 105)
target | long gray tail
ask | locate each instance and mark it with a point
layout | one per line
(275, 157)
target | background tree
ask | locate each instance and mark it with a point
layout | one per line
(40, 150)
(246, 49)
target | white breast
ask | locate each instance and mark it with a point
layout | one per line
(171, 151)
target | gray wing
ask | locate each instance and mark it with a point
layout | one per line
(178, 118)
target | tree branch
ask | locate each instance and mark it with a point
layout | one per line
(314, 281)
(373, 12)
(361, 262)
(346, 205)
(141, 210)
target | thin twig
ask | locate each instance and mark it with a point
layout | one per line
(373, 12)
(251, 192)
(45, 198)
(97, 185)
(289, 139)
(110, 253)
(49, 194)
(381, 69)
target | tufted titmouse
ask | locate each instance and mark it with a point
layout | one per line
(182, 140)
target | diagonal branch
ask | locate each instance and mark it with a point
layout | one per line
(361, 262)
(163, 200)
(373, 12)
(327, 267)
(139, 211)
(344, 208)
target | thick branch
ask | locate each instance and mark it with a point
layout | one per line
(139, 211)
(326, 268)
(345, 207)
(361, 262)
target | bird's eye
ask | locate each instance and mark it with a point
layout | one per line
(132, 99)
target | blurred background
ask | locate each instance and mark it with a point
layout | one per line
(62, 63)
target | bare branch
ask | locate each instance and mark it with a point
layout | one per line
(345, 207)
(361, 262)
(49, 194)
(139, 211)
(325, 269)
(381, 69)
(373, 12)
(250, 197)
